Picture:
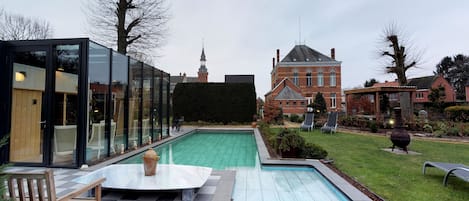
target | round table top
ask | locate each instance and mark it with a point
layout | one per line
(131, 176)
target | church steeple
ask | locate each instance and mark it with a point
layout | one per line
(202, 59)
(203, 73)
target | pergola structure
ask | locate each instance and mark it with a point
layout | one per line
(376, 92)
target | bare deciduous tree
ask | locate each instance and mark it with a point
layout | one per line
(397, 56)
(18, 27)
(134, 27)
(397, 61)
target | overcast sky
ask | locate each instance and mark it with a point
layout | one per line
(241, 36)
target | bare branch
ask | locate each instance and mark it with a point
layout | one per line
(18, 27)
(130, 26)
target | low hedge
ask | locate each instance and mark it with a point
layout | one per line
(458, 113)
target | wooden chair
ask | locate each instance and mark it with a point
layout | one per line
(40, 186)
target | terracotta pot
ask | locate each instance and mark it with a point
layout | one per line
(150, 160)
(254, 124)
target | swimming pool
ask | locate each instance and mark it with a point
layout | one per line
(237, 150)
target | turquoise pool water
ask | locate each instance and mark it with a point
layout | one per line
(238, 151)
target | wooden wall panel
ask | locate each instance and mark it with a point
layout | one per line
(25, 137)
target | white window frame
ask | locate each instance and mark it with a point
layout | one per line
(333, 100)
(320, 79)
(309, 79)
(333, 78)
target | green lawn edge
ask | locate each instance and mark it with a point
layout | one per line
(392, 176)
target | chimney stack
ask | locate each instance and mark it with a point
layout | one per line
(273, 62)
(333, 53)
(278, 55)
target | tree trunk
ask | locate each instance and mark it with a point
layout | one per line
(406, 106)
(121, 32)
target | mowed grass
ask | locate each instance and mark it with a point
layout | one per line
(391, 176)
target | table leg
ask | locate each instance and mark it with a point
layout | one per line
(188, 195)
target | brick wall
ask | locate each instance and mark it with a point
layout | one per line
(311, 91)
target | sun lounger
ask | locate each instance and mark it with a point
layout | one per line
(452, 169)
(308, 123)
(331, 124)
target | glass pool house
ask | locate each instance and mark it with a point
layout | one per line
(70, 102)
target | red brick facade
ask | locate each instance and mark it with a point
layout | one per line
(309, 72)
(421, 96)
(290, 106)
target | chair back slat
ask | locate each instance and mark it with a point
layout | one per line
(40, 189)
(19, 183)
(31, 186)
(31, 190)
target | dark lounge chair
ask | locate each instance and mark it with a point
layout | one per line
(331, 124)
(452, 169)
(308, 123)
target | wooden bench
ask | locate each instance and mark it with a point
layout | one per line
(40, 186)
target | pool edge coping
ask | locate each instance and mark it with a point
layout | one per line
(340, 183)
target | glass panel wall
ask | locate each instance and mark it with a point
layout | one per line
(118, 113)
(135, 73)
(156, 104)
(67, 63)
(147, 104)
(28, 109)
(98, 90)
(165, 105)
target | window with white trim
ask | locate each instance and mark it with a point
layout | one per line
(295, 78)
(333, 100)
(309, 80)
(332, 79)
(320, 79)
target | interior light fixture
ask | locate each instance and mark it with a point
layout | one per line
(61, 68)
(20, 76)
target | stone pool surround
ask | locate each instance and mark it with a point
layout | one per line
(224, 191)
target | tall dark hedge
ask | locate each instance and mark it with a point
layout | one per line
(215, 102)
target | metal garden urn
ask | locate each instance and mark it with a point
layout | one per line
(399, 136)
(150, 160)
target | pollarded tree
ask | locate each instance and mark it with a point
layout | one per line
(18, 27)
(397, 57)
(398, 61)
(135, 27)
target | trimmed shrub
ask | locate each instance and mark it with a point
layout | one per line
(294, 118)
(290, 140)
(215, 102)
(457, 113)
(373, 126)
(313, 151)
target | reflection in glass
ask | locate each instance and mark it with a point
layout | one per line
(65, 104)
(118, 90)
(165, 105)
(98, 79)
(156, 104)
(134, 102)
(27, 104)
(147, 105)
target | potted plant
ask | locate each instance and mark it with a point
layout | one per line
(254, 121)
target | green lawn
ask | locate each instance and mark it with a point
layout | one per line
(391, 176)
